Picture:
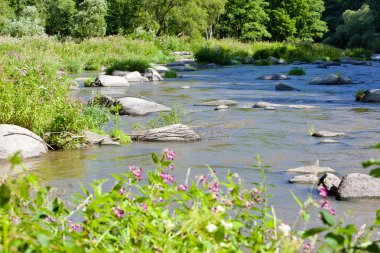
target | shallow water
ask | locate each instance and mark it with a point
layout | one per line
(233, 137)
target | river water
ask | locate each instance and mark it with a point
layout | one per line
(233, 137)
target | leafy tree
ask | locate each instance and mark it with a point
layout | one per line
(27, 24)
(312, 26)
(6, 12)
(281, 25)
(89, 21)
(244, 20)
(60, 15)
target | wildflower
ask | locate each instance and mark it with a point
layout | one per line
(259, 200)
(307, 247)
(215, 189)
(137, 172)
(211, 228)
(237, 176)
(119, 213)
(182, 187)
(122, 191)
(50, 219)
(248, 204)
(171, 167)
(284, 229)
(213, 209)
(166, 177)
(170, 154)
(77, 227)
(144, 207)
(226, 225)
(15, 220)
(322, 191)
(203, 179)
(325, 204)
(3, 180)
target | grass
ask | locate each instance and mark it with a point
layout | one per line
(360, 95)
(171, 74)
(297, 72)
(262, 62)
(119, 134)
(88, 82)
(128, 65)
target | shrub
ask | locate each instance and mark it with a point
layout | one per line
(89, 82)
(297, 72)
(171, 74)
(263, 62)
(92, 64)
(359, 53)
(211, 54)
(119, 134)
(128, 65)
(73, 66)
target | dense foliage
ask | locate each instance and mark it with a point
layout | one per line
(341, 23)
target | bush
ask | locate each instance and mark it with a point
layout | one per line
(89, 82)
(92, 64)
(171, 74)
(359, 53)
(210, 54)
(128, 65)
(263, 62)
(73, 66)
(297, 72)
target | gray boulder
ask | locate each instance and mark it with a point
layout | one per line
(17, 139)
(327, 134)
(273, 77)
(304, 179)
(266, 105)
(153, 75)
(331, 182)
(358, 186)
(99, 139)
(311, 169)
(161, 69)
(120, 73)
(284, 87)
(371, 96)
(111, 81)
(138, 106)
(330, 79)
(218, 103)
(135, 77)
(177, 132)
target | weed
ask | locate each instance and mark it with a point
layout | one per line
(297, 72)
(171, 74)
(128, 65)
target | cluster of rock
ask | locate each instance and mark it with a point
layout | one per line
(371, 96)
(351, 187)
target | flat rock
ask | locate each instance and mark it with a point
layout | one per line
(311, 169)
(120, 73)
(222, 107)
(372, 96)
(18, 139)
(304, 179)
(175, 64)
(111, 81)
(217, 103)
(267, 105)
(186, 87)
(330, 79)
(284, 87)
(185, 68)
(153, 75)
(331, 182)
(138, 106)
(99, 139)
(355, 62)
(327, 134)
(274, 77)
(161, 69)
(177, 132)
(135, 77)
(358, 186)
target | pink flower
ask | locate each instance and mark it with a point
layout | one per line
(119, 213)
(137, 172)
(322, 191)
(77, 227)
(170, 154)
(182, 187)
(144, 207)
(248, 204)
(16, 220)
(307, 247)
(122, 191)
(203, 179)
(259, 200)
(3, 181)
(166, 177)
(215, 189)
(171, 167)
(325, 204)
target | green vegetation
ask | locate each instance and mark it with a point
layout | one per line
(128, 65)
(171, 74)
(359, 95)
(88, 82)
(162, 119)
(205, 213)
(297, 72)
(263, 62)
(119, 134)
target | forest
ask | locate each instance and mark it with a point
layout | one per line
(341, 23)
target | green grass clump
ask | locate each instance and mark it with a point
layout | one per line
(262, 62)
(119, 134)
(73, 66)
(360, 95)
(359, 53)
(171, 74)
(92, 65)
(297, 72)
(128, 65)
(88, 82)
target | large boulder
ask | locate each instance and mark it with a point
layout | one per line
(161, 69)
(177, 132)
(304, 179)
(330, 79)
(274, 77)
(218, 103)
(153, 75)
(135, 77)
(17, 139)
(370, 96)
(331, 182)
(327, 134)
(358, 186)
(138, 106)
(111, 81)
(99, 139)
(284, 87)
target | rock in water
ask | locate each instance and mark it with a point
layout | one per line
(274, 77)
(17, 139)
(284, 87)
(120, 73)
(98, 139)
(138, 106)
(304, 179)
(330, 79)
(111, 81)
(267, 105)
(311, 169)
(218, 103)
(153, 75)
(221, 107)
(176, 132)
(371, 96)
(327, 134)
(331, 182)
(358, 186)
(135, 77)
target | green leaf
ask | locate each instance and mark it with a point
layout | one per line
(313, 231)
(297, 199)
(371, 162)
(219, 234)
(15, 159)
(5, 195)
(377, 146)
(327, 218)
(375, 172)
(155, 158)
(334, 240)
(373, 248)
(56, 205)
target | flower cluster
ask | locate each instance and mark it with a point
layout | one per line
(169, 154)
(119, 213)
(166, 177)
(322, 191)
(137, 172)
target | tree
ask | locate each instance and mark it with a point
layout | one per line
(244, 20)
(89, 21)
(60, 15)
(312, 26)
(6, 12)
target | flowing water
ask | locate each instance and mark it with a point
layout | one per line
(233, 137)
